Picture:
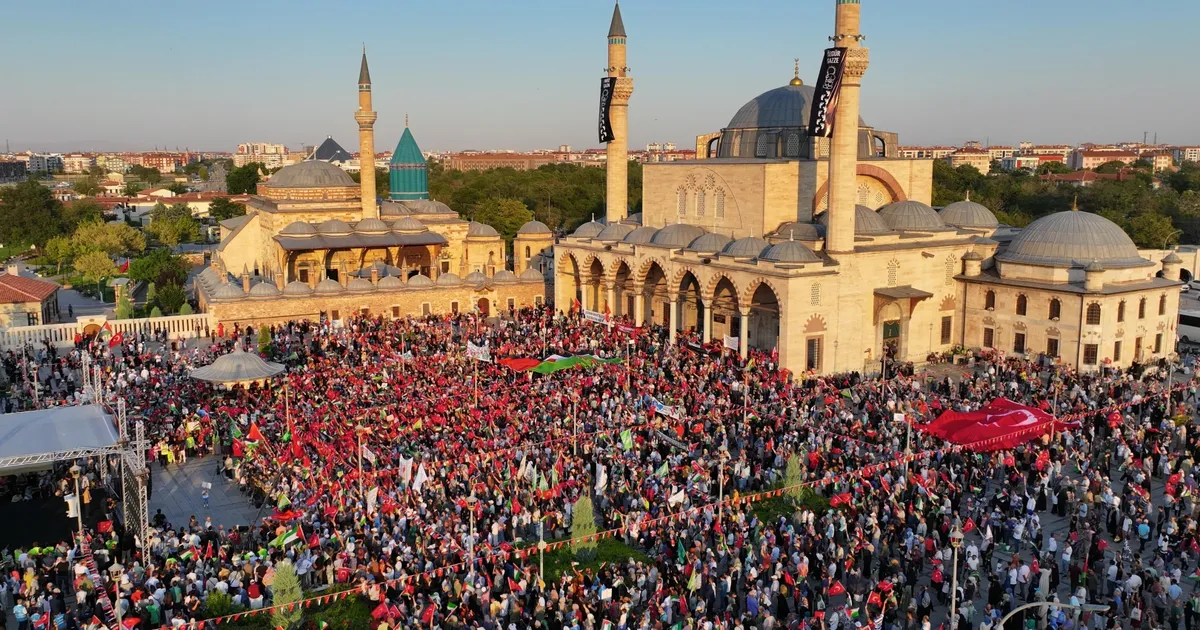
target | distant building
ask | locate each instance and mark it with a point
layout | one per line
(970, 156)
(1087, 178)
(1187, 154)
(485, 161)
(270, 155)
(1159, 160)
(45, 163)
(1015, 162)
(113, 163)
(1060, 150)
(925, 153)
(12, 171)
(1088, 159)
(26, 301)
(78, 162)
(163, 162)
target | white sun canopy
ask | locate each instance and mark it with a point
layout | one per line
(59, 433)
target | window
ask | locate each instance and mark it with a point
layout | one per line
(1019, 343)
(1121, 311)
(1162, 304)
(395, 311)
(1116, 351)
(793, 145)
(764, 141)
(682, 201)
(700, 202)
(336, 315)
(1022, 304)
(1089, 353)
(893, 271)
(812, 360)
(1158, 343)
(815, 298)
(1055, 309)
(32, 318)
(304, 275)
(720, 203)
(1052, 347)
(425, 309)
(947, 328)
(454, 307)
(1093, 314)
(950, 270)
(537, 300)
(1142, 309)
(989, 337)
(527, 256)
(989, 300)
(512, 304)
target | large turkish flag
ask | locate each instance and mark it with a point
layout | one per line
(1003, 424)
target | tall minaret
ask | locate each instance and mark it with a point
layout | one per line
(366, 141)
(617, 196)
(843, 154)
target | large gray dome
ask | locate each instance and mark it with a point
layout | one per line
(787, 106)
(867, 222)
(481, 230)
(310, 174)
(677, 235)
(790, 252)
(746, 247)
(911, 215)
(588, 230)
(710, 243)
(641, 235)
(333, 226)
(1073, 239)
(295, 287)
(298, 228)
(264, 289)
(968, 214)
(372, 225)
(615, 232)
(797, 230)
(328, 285)
(534, 227)
(409, 225)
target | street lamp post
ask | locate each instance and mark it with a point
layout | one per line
(956, 538)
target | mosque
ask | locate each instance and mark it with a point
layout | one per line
(826, 250)
(316, 245)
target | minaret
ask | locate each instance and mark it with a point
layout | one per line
(366, 141)
(617, 195)
(843, 153)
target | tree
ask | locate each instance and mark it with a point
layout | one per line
(145, 174)
(222, 208)
(29, 214)
(95, 266)
(793, 476)
(203, 173)
(1056, 168)
(1152, 231)
(81, 211)
(382, 181)
(243, 180)
(111, 238)
(97, 171)
(1112, 166)
(156, 312)
(286, 590)
(151, 291)
(174, 224)
(178, 188)
(186, 309)
(160, 267)
(264, 339)
(124, 306)
(58, 250)
(505, 214)
(583, 524)
(171, 297)
(132, 189)
(88, 187)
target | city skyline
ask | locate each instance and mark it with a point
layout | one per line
(526, 76)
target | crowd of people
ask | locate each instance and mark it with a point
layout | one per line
(464, 463)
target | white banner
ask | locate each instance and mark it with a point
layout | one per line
(421, 477)
(479, 353)
(594, 316)
(731, 342)
(372, 499)
(406, 469)
(669, 411)
(367, 454)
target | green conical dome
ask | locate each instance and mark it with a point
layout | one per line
(408, 173)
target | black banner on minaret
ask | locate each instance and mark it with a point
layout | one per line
(607, 86)
(825, 94)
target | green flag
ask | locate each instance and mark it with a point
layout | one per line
(283, 502)
(627, 439)
(288, 537)
(680, 553)
(662, 470)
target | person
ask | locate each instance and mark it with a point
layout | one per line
(204, 497)
(21, 614)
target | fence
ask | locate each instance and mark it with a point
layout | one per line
(63, 335)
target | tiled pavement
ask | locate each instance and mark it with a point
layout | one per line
(177, 493)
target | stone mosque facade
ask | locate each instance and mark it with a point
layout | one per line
(316, 245)
(827, 251)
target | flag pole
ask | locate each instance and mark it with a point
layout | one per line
(575, 425)
(475, 381)
(360, 472)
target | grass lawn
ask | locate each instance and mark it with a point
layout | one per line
(608, 550)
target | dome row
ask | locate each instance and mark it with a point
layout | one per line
(232, 291)
(334, 227)
(695, 239)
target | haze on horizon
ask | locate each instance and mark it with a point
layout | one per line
(523, 75)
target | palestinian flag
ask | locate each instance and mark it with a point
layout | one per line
(520, 364)
(190, 554)
(288, 537)
(556, 362)
(283, 502)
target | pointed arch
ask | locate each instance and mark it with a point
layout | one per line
(643, 269)
(710, 286)
(815, 324)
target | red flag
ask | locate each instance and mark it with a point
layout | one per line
(968, 526)
(1001, 425)
(254, 435)
(788, 579)
(427, 616)
(836, 588)
(116, 340)
(125, 266)
(208, 552)
(513, 585)
(380, 612)
(841, 499)
(874, 599)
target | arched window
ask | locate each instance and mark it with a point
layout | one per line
(764, 142)
(1121, 311)
(700, 202)
(527, 256)
(1022, 304)
(793, 145)
(1055, 309)
(1093, 314)
(682, 194)
(720, 203)
(989, 300)
(1162, 304)
(1142, 309)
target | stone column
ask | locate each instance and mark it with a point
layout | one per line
(744, 334)
(610, 296)
(706, 336)
(674, 316)
(843, 152)
(639, 303)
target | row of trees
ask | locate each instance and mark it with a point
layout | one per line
(1155, 212)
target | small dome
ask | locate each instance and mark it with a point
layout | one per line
(334, 226)
(372, 225)
(504, 275)
(796, 230)
(972, 255)
(588, 230)
(359, 284)
(298, 228)
(532, 274)
(475, 277)
(446, 280)
(1172, 259)
(264, 289)
(911, 215)
(677, 235)
(790, 252)
(427, 206)
(420, 280)
(228, 291)
(390, 282)
(1094, 266)
(534, 227)
(409, 225)
(968, 214)
(710, 243)
(295, 287)
(1073, 239)
(310, 174)
(867, 222)
(641, 236)
(635, 219)
(746, 247)
(615, 232)
(481, 230)
(328, 285)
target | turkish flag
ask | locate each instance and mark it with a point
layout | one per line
(116, 340)
(1001, 425)
(840, 499)
(836, 589)
(968, 526)
(254, 435)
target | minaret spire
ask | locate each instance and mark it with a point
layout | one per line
(617, 158)
(365, 117)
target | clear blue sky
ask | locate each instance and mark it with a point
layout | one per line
(524, 74)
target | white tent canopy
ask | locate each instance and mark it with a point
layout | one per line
(238, 366)
(55, 434)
